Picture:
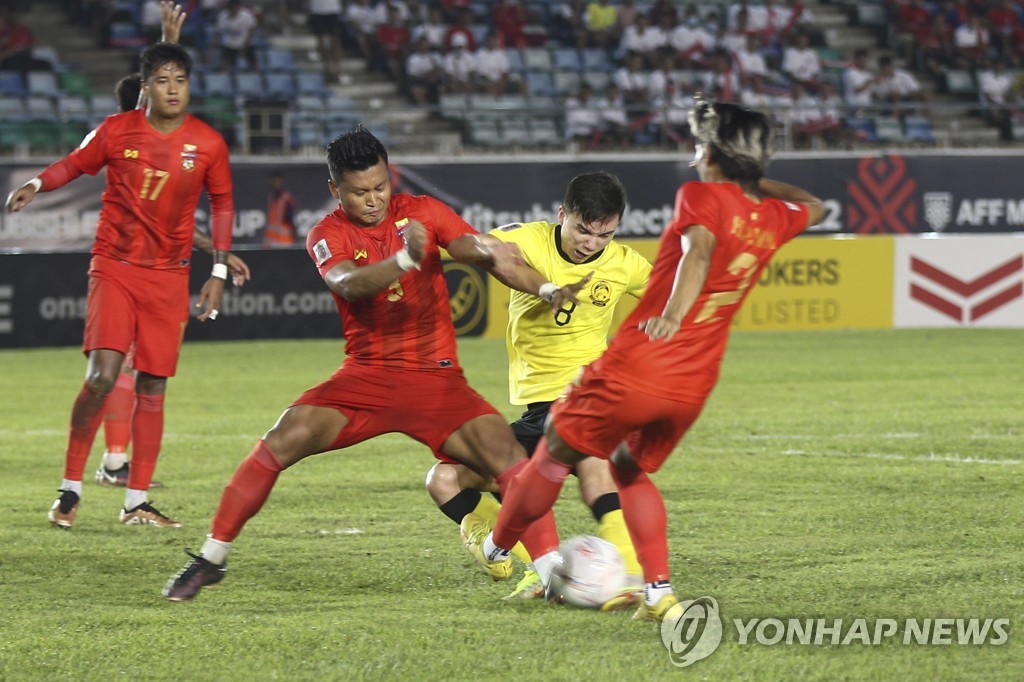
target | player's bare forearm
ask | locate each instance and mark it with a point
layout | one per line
(775, 189)
(353, 283)
(202, 242)
(692, 271)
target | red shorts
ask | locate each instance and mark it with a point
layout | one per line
(599, 413)
(426, 406)
(128, 304)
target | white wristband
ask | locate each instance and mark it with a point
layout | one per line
(37, 183)
(405, 261)
(547, 291)
(220, 271)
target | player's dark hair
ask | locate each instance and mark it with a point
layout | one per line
(355, 150)
(595, 197)
(158, 54)
(738, 139)
(127, 92)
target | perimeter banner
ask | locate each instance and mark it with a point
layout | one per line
(887, 194)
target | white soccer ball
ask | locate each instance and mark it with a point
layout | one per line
(588, 572)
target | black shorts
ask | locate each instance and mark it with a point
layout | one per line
(530, 426)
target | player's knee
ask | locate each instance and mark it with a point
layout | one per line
(442, 482)
(99, 382)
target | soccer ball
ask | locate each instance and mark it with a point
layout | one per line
(588, 571)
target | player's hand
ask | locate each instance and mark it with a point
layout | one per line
(210, 298)
(415, 237)
(20, 198)
(239, 270)
(569, 293)
(172, 17)
(659, 328)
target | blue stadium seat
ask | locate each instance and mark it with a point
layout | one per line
(125, 34)
(598, 80)
(40, 108)
(544, 130)
(484, 132)
(567, 59)
(863, 128)
(74, 108)
(281, 86)
(889, 129)
(12, 109)
(537, 59)
(567, 82)
(540, 83)
(515, 60)
(276, 59)
(48, 54)
(12, 84)
(919, 129)
(309, 83)
(218, 84)
(307, 134)
(249, 85)
(514, 130)
(596, 59)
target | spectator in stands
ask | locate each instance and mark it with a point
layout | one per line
(734, 37)
(433, 29)
(324, 23)
(803, 109)
(754, 96)
(956, 13)
(972, 42)
(459, 66)
(896, 86)
(669, 112)
(801, 63)
(454, 10)
(509, 18)
(582, 118)
(461, 28)
(150, 21)
(691, 41)
(912, 17)
(383, 8)
(749, 60)
(358, 28)
(859, 81)
(16, 42)
(280, 230)
(1002, 19)
(756, 17)
(639, 40)
(994, 84)
(423, 72)
(625, 16)
(662, 8)
(392, 41)
(236, 26)
(602, 24)
(569, 21)
(722, 82)
(661, 36)
(659, 79)
(633, 80)
(492, 67)
(935, 48)
(615, 125)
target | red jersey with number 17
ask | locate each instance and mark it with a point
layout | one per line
(747, 234)
(409, 324)
(154, 181)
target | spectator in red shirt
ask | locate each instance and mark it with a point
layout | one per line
(392, 41)
(16, 43)
(1003, 19)
(509, 18)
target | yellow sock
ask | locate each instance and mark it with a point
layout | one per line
(613, 529)
(488, 508)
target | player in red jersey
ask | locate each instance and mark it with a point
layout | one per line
(158, 162)
(379, 255)
(636, 402)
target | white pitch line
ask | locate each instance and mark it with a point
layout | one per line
(953, 459)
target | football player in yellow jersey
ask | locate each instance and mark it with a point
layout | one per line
(546, 351)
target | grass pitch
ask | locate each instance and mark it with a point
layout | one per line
(834, 475)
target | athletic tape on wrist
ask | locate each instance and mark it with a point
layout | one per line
(547, 291)
(37, 183)
(405, 261)
(220, 271)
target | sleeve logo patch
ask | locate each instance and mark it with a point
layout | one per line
(321, 252)
(509, 227)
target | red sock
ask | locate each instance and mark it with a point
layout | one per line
(86, 414)
(644, 512)
(245, 494)
(147, 432)
(117, 414)
(529, 489)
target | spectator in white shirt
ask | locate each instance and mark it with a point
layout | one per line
(639, 39)
(801, 63)
(614, 119)
(691, 41)
(236, 25)
(858, 81)
(359, 28)
(434, 29)
(994, 84)
(972, 42)
(582, 117)
(633, 80)
(722, 82)
(325, 25)
(423, 72)
(750, 60)
(459, 66)
(492, 67)
(896, 86)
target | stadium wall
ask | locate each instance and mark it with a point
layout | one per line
(909, 241)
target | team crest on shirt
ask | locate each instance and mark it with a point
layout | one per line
(321, 252)
(600, 293)
(400, 226)
(188, 157)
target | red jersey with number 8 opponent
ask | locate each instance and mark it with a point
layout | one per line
(154, 181)
(409, 324)
(747, 234)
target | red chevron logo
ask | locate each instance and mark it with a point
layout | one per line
(963, 289)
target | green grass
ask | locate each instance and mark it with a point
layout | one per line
(833, 475)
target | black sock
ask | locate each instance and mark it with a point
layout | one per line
(608, 502)
(460, 505)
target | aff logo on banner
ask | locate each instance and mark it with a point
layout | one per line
(953, 291)
(959, 281)
(882, 197)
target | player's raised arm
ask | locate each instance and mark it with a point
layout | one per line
(698, 245)
(353, 282)
(505, 262)
(785, 192)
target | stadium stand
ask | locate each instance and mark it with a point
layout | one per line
(547, 59)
